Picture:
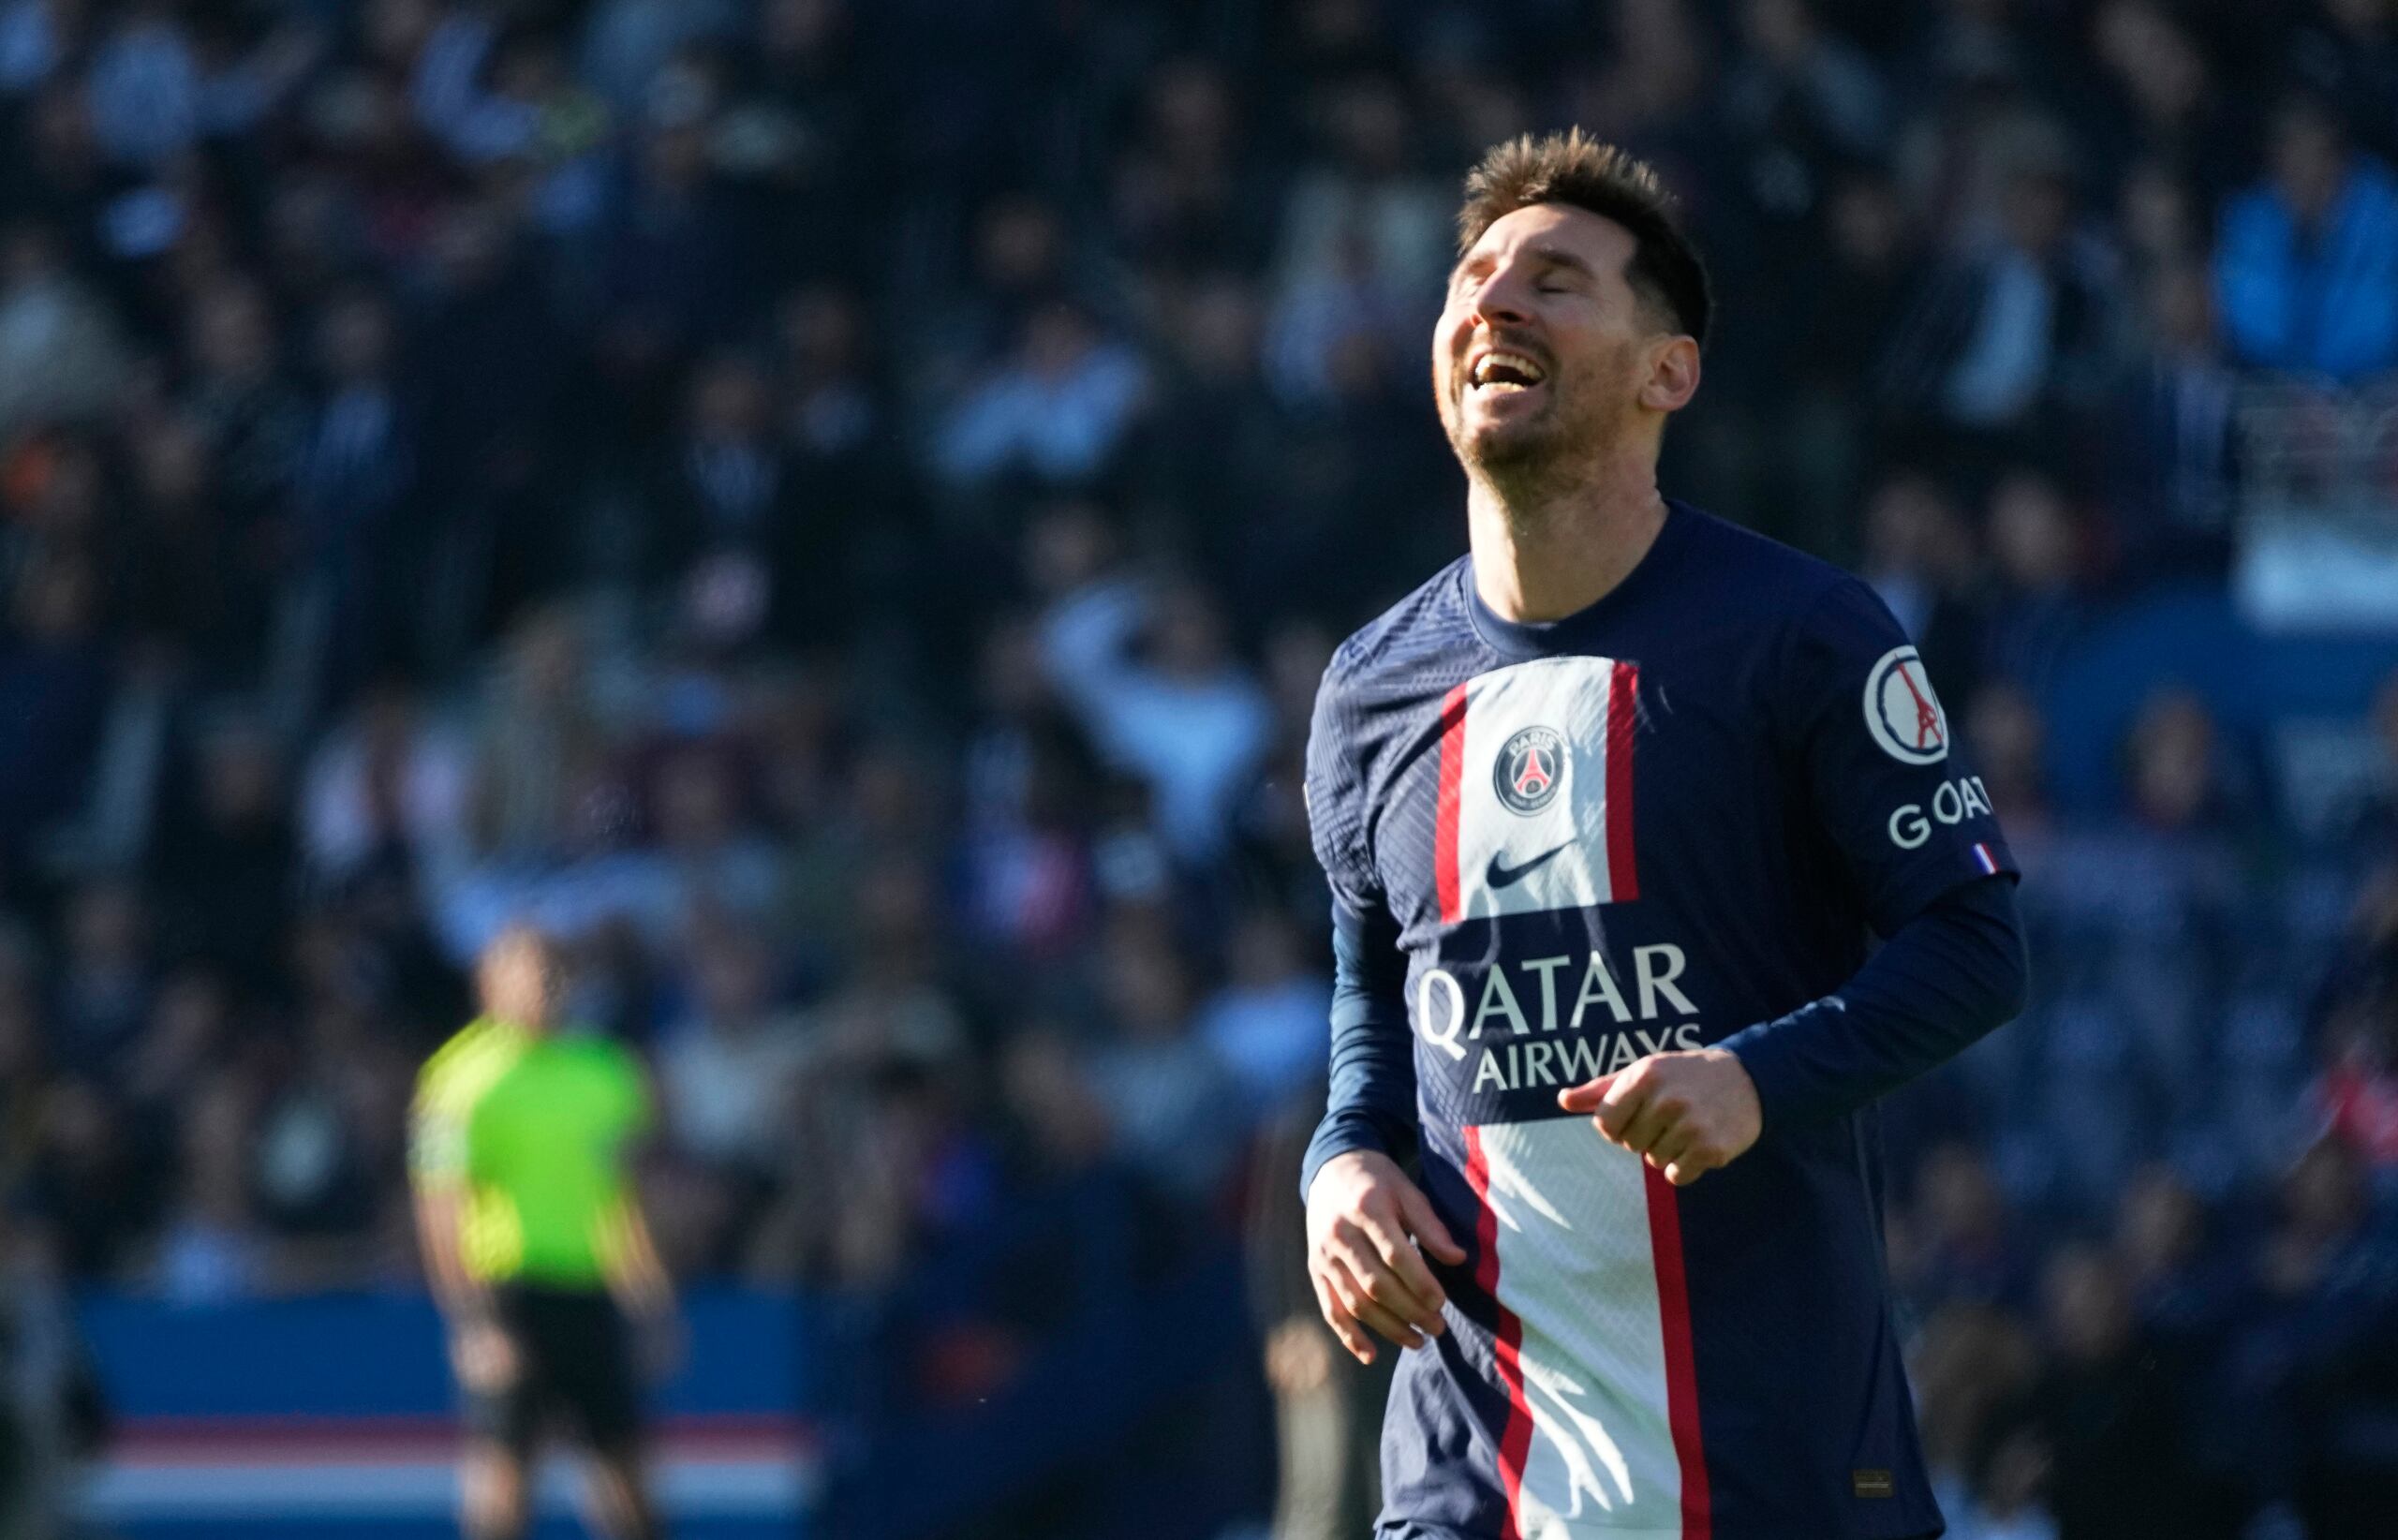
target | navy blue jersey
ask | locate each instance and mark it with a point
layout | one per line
(1645, 827)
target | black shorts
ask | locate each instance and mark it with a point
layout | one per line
(576, 1373)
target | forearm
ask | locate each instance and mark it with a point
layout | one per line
(460, 1296)
(1371, 1104)
(1945, 979)
(636, 1277)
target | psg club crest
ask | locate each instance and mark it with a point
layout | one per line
(1530, 768)
(1900, 711)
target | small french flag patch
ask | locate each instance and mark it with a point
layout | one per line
(1987, 862)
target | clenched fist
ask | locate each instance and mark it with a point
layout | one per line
(1368, 1230)
(1686, 1113)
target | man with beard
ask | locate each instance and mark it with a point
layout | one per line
(1608, 808)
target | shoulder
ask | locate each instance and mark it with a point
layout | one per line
(466, 1069)
(1758, 576)
(1430, 621)
(1382, 675)
(453, 1062)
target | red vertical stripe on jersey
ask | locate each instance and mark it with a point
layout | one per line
(1445, 830)
(1624, 710)
(1507, 1345)
(1682, 1375)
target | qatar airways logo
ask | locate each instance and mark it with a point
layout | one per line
(1529, 1031)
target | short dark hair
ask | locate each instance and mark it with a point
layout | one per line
(1580, 172)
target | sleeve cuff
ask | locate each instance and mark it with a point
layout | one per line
(1769, 1052)
(1352, 1130)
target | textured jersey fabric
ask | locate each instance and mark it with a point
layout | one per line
(1669, 819)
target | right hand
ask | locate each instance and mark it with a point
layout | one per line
(1368, 1228)
(485, 1357)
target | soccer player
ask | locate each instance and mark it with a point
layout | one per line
(1608, 807)
(536, 1244)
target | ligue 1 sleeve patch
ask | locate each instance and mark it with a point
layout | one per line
(1902, 713)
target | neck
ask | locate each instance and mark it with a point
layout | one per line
(1542, 554)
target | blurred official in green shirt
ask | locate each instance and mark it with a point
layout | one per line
(521, 1156)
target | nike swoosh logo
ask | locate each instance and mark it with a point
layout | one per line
(1504, 876)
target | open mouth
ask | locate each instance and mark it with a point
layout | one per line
(1502, 372)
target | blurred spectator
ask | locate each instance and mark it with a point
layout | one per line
(214, 1248)
(2163, 105)
(1648, 91)
(2347, 51)
(2108, 1418)
(52, 1417)
(2026, 321)
(724, 487)
(60, 356)
(1029, 775)
(2358, 1092)
(1162, 1082)
(2008, 1492)
(1266, 1022)
(1968, 1251)
(669, 272)
(225, 856)
(1181, 715)
(54, 686)
(385, 786)
(2308, 268)
(2035, 542)
(180, 524)
(539, 752)
(1187, 195)
(2174, 768)
(1919, 557)
(486, 376)
(847, 542)
(730, 1070)
(1055, 410)
(356, 473)
(1971, 1365)
(105, 975)
(1365, 249)
(2003, 730)
(2168, 450)
(88, 1183)
(254, 416)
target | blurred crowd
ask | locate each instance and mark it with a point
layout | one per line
(839, 511)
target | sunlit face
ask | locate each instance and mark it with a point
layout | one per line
(1544, 346)
(521, 981)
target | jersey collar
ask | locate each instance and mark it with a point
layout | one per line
(1579, 632)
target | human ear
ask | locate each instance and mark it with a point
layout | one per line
(1673, 375)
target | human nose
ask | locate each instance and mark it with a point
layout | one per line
(1501, 299)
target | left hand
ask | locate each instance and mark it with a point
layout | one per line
(1684, 1113)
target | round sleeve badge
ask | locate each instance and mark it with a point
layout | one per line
(1902, 713)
